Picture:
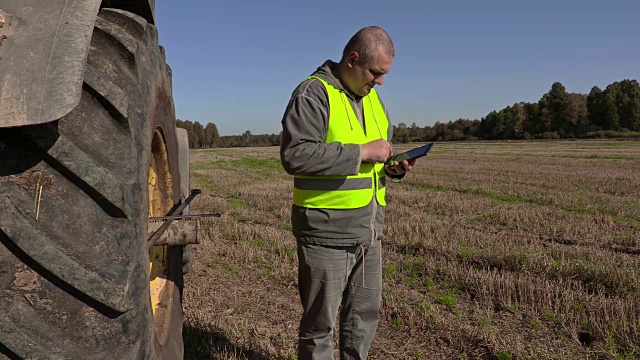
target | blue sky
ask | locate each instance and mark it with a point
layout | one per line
(235, 63)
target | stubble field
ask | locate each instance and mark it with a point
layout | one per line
(492, 250)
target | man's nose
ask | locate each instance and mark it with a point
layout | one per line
(379, 80)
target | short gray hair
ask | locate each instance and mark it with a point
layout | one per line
(367, 41)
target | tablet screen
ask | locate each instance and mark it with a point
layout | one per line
(413, 153)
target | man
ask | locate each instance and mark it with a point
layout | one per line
(335, 142)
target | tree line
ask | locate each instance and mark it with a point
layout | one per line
(209, 137)
(612, 112)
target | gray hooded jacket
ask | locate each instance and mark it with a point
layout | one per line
(304, 152)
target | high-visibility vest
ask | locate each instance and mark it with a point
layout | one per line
(352, 191)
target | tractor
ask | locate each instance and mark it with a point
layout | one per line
(95, 233)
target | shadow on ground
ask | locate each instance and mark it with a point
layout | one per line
(210, 343)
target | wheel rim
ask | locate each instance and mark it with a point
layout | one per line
(161, 265)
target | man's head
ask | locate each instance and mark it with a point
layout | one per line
(365, 60)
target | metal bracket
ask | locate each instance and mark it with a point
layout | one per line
(181, 232)
(180, 217)
(177, 229)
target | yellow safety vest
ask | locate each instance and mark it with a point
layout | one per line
(352, 191)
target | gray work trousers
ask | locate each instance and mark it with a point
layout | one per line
(332, 276)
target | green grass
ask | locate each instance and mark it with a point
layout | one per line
(205, 182)
(232, 269)
(504, 355)
(391, 270)
(258, 243)
(482, 192)
(517, 199)
(448, 300)
(268, 164)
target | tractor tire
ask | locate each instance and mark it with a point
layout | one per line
(77, 280)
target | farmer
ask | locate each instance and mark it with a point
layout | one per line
(335, 142)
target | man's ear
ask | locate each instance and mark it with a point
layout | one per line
(353, 58)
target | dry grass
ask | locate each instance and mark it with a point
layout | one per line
(494, 250)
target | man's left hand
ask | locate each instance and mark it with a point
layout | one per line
(400, 168)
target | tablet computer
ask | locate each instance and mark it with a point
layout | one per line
(411, 154)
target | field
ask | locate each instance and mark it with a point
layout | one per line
(492, 250)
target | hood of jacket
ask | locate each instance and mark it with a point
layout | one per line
(327, 71)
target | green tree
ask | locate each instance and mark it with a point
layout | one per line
(532, 124)
(595, 106)
(554, 102)
(212, 135)
(575, 114)
(515, 126)
(492, 126)
(415, 132)
(628, 104)
(401, 133)
(246, 138)
(198, 135)
(610, 118)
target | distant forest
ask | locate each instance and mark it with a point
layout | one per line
(209, 137)
(612, 112)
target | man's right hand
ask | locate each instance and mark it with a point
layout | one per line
(377, 151)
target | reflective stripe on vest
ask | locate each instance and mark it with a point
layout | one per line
(353, 191)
